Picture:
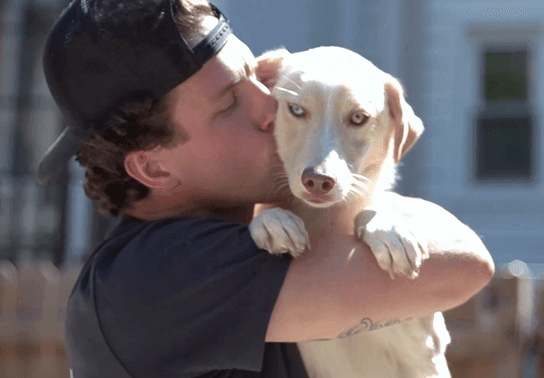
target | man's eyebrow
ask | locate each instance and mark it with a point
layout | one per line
(223, 91)
(235, 81)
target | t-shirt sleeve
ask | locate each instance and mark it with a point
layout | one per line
(186, 297)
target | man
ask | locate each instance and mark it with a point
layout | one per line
(176, 136)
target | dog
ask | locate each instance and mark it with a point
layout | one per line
(341, 128)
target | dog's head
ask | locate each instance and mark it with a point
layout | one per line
(342, 124)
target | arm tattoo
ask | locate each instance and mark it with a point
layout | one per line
(365, 325)
(368, 325)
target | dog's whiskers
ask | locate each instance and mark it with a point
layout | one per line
(281, 178)
(281, 186)
(281, 173)
(355, 191)
(282, 189)
(360, 177)
(351, 196)
(360, 187)
(281, 183)
(359, 184)
(291, 80)
(288, 91)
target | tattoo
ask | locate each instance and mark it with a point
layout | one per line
(365, 325)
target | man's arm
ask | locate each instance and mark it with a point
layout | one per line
(338, 288)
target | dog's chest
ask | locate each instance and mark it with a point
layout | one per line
(334, 219)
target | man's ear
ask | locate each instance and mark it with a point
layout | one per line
(144, 167)
(406, 126)
(268, 65)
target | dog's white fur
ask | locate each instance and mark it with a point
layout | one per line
(342, 126)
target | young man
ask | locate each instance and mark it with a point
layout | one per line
(176, 136)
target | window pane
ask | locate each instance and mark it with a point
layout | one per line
(504, 148)
(505, 75)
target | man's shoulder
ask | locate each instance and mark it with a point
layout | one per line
(190, 248)
(156, 245)
(172, 227)
(209, 279)
(173, 232)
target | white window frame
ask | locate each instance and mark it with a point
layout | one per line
(499, 37)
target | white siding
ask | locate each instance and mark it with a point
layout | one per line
(510, 217)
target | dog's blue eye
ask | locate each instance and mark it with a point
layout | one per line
(358, 118)
(296, 110)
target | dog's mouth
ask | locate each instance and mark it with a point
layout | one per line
(317, 200)
(316, 187)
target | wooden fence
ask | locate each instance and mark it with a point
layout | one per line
(492, 335)
(32, 310)
(498, 331)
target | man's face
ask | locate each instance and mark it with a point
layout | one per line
(230, 155)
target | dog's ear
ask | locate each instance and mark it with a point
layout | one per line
(406, 126)
(268, 65)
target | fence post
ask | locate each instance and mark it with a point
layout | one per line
(8, 320)
(515, 308)
(491, 331)
(539, 331)
(468, 353)
(69, 276)
(36, 313)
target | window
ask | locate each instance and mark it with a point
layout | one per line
(505, 127)
(504, 148)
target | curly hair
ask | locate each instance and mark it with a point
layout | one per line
(135, 126)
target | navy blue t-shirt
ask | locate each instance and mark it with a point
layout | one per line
(175, 298)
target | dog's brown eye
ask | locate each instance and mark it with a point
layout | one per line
(296, 110)
(358, 118)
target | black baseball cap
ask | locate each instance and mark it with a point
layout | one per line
(101, 54)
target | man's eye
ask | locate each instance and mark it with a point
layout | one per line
(296, 110)
(232, 107)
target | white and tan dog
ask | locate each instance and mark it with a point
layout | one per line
(342, 127)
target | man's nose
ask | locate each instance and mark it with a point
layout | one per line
(268, 108)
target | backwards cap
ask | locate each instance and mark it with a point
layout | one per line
(101, 54)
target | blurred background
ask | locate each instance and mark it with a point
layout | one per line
(471, 71)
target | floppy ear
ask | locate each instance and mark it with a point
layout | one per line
(406, 126)
(268, 65)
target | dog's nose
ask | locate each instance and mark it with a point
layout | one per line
(316, 183)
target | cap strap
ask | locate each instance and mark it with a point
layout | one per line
(215, 40)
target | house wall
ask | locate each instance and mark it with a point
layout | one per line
(508, 216)
(432, 46)
(32, 220)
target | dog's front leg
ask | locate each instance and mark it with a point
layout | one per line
(279, 231)
(392, 240)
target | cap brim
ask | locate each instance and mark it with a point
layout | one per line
(57, 156)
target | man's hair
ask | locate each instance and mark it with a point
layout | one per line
(134, 127)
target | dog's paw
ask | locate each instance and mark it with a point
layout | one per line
(279, 231)
(392, 242)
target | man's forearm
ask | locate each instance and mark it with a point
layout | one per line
(338, 287)
(445, 234)
(452, 245)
